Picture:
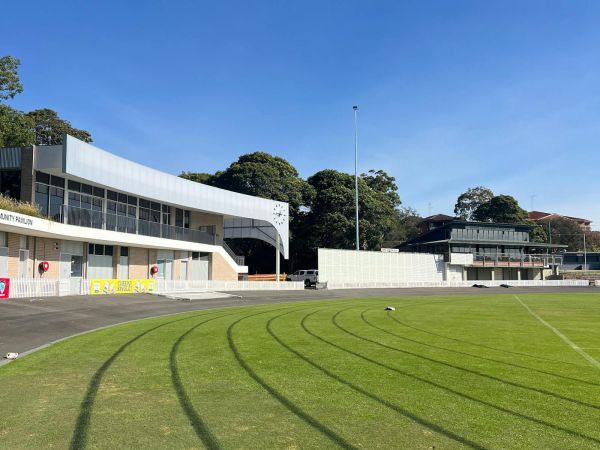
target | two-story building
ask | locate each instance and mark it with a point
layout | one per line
(108, 217)
(487, 251)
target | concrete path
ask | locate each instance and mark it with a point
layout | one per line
(26, 324)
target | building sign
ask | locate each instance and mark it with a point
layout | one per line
(4, 287)
(103, 286)
(14, 218)
(390, 250)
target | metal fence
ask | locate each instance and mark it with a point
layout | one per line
(104, 221)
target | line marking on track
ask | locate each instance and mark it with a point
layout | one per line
(569, 342)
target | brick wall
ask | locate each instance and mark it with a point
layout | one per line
(46, 250)
(198, 219)
(220, 269)
(138, 263)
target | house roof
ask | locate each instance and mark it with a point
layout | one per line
(439, 218)
(539, 215)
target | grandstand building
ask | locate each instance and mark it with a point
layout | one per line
(108, 217)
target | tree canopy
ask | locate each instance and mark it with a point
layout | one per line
(565, 232)
(10, 83)
(468, 202)
(501, 209)
(40, 127)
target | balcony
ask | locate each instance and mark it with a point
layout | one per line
(512, 260)
(103, 221)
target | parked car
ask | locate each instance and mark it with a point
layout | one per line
(310, 277)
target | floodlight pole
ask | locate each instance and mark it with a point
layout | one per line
(355, 108)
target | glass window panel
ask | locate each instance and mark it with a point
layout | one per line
(86, 189)
(42, 177)
(74, 186)
(98, 192)
(111, 195)
(57, 181)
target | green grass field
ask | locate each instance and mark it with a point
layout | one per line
(439, 372)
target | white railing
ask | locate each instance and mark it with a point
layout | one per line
(21, 288)
(446, 284)
(165, 286)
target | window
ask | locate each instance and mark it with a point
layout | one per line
(49, 195)
(100, 249)
(182, 218)
(124, 251)
(10, 183)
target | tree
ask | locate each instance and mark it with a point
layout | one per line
(380, 181)
(267, 176)
(10, 83)
(405, 227)
(198, 177)
(50, 129)
(501, 209)
(16, 128)
(468, 202)
(565, 232)
(331, 218)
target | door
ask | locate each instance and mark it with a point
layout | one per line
(183, 273)
(71, 268)
(168, 269)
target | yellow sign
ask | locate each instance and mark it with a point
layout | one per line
(100, 286)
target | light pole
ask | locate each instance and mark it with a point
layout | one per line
(355, 109)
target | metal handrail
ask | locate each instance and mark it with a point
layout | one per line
(73, 215)
(239, 260)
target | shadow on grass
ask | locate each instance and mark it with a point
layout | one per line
(463, 369)
(423, 422)
(442, 387)
(292, 407)
(80, 434)
(199, 426)
(458, 352)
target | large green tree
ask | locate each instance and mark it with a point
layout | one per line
(263, 175)
(468, 202)
(565, 232)
(405, 227)
(50, 129)
(330, 221)
(10, 83)
(39, 127)
(501, 209)
(16, 128)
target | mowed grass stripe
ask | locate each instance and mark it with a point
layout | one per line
(291, 406)
(443, 387)
(461, 368)
(80, 433)
(155, 377)
(404, 412)
(471, 355)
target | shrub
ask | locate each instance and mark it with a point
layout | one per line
(10, 204)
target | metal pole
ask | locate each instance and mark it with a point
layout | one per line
(277, 266)
(355, 108)
(584, 253)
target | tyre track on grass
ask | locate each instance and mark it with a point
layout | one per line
(458, 352)
(402, 411)
(464, 369)
(275, 394)
(80, 433)
(199, 426)
(445, 388)
(509, 352)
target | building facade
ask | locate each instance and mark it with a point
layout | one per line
(487, 251)
(108, 217)
(540, 216)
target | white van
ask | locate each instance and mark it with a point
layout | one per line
(310, 277)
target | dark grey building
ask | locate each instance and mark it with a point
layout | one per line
(487, 251)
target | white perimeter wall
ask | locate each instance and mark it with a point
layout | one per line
(351, 266)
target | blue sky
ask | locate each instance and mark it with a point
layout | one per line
(452, 94)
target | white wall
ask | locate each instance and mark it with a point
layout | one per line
(350, 266)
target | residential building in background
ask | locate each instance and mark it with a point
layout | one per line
(539, 216)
